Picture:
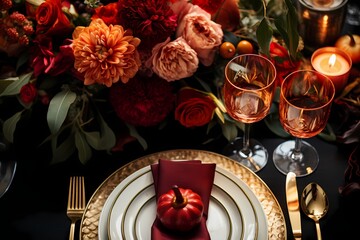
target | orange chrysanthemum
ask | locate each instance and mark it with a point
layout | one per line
(105, 54)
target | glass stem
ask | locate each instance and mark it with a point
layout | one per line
(296, 154)
(246, 139)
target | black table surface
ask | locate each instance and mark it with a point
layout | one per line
(35, 205)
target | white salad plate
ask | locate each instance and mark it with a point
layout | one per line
(234, 210)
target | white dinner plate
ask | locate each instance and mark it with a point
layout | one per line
(234, 210)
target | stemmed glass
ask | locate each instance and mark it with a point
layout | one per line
(248, 92)
(304, 108)
(7, 165)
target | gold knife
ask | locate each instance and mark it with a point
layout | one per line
(292, 200)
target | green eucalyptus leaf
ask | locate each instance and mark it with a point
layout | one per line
(24, 57)
(4, 83)
(9, 126)
(287, 24)
(58, 109)
(264, 34)
(108, 138)
(84, 150)
(16, 83)
(230, 131)
(133, 132)
(219, 115)
(328, 134)
(94, 139)
(103, 140)
(64, 150)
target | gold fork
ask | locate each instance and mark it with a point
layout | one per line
(76, 202)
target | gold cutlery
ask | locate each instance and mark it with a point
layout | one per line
(314, 204)
(76, 202)
(292, 200)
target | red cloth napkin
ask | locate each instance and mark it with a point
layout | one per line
(189, 174)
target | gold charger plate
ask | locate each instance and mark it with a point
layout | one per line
(272, 209)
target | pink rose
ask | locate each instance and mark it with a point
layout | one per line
(173, 60)
(201, 33)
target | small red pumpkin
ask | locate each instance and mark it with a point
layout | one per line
(180, 209)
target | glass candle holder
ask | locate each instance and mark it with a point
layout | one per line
(321, 21)
(334, 63)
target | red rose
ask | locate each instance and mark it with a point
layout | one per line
(211, 6)
(51, 20)
(28, 92)
(193, 108)
(107, 13)
(228, 15)
(282, 61)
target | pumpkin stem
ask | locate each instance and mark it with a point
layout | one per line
(352, 40)
(179, 199)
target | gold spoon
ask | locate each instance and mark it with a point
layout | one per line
(314, 204)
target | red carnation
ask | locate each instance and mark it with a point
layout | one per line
(142, 101)
(152, 21)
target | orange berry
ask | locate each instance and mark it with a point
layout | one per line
(227, 50)
(244, 47)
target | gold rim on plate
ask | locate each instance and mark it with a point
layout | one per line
(274, 215)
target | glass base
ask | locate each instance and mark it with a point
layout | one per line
(285, 164)
(255, 160)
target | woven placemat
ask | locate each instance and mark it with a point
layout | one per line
(272, 209)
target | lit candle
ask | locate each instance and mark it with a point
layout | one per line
(334, 63)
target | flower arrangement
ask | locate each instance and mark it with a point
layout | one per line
(140, 62)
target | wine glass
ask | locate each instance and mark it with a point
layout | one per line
(248, 92)
(7, 164)
(304, 108)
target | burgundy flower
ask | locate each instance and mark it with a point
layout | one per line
(152, 21)
(63, 60)
(142, 101)
(41, 55)
(28, 93)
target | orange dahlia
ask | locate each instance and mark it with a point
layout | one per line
(105, 54)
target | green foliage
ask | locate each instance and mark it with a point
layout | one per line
(11, 86)
(264, 35)
(58, 109)
(9, 126)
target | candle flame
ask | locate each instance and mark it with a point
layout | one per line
(332, 60)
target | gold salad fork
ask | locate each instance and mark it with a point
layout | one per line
(76, 202)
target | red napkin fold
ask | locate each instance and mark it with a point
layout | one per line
(190, 174)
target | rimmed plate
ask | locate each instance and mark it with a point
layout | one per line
(234, 210)
(89, 226)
